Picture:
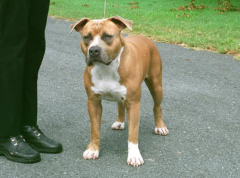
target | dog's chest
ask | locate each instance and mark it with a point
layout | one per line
(105, 81)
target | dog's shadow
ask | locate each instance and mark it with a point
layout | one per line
(115, 142)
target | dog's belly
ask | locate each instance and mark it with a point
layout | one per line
(111, 91)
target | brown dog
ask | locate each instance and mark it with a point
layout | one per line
(116, 68)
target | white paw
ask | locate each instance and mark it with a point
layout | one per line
(134, 156)
(90, 154)
(161, 131)
(118, 125)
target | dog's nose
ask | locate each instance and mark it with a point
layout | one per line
(94, 51)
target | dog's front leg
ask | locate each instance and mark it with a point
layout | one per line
(95, 113)
(134, 155)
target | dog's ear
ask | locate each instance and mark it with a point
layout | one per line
(121, 22)
(78, 26)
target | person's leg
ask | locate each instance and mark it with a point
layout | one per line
(34, 55)
(13, 39)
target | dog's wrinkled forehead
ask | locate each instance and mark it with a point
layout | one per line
(115, 23)
(98, 27)
(97, 23)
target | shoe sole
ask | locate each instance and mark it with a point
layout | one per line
(47, 150)
(19, 160)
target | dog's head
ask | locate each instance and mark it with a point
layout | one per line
(101, 39)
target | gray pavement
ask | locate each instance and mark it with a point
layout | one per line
(201, 108)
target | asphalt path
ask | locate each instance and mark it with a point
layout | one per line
(201, 108)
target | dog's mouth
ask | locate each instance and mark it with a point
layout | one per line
(90, 62)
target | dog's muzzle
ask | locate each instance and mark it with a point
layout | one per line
(94, 55)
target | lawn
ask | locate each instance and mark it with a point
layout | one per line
(166, 20)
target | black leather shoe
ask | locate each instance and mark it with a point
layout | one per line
(35, 137)
(18, 150)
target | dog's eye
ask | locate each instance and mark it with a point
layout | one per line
(107, 37)
(87, 38)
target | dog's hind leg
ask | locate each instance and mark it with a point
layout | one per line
(119, 123)
(154, 82)
(156, 91)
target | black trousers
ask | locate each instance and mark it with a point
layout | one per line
(22, 47)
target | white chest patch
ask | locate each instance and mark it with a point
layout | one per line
(105, 79)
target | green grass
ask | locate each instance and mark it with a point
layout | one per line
(158, 19)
